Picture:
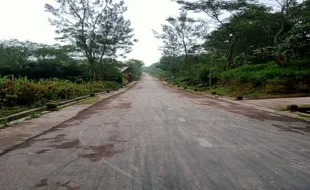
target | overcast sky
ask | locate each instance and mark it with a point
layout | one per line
(26, 20)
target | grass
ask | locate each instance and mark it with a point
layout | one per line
(305, 106)
(89, 101)
(284, 108)
(7, 111)
(303, 115)
(34, 115)
(261, 73)
(3, 126)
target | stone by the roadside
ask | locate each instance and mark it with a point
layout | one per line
(51, 106)
(293, 107)
(239, 97)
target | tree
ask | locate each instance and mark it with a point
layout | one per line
(135, 66)
(181, 36)
(15, 54)
(97, 28)
(217, 11)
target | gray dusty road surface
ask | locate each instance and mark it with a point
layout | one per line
(156, 137)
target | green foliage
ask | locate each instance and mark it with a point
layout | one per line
(38, 61)
(23, 91)
(135, 69)
(259, 74)
(254, 49)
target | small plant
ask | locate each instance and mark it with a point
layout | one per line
(185, 87)
(34, 115)
(195, 89)
(4, 124)
(179, 86)
(92, 95)
(213, 93)
(108, 91)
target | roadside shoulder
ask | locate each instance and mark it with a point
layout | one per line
(19, 133)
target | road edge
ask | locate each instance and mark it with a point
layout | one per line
(223, 98)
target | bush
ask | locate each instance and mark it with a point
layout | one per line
(22, 91)
(261, 73)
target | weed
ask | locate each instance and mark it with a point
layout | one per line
(34, 115)
(89, 101)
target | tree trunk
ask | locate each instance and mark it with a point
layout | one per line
(186, 58)
(93, 67)
(230, 59)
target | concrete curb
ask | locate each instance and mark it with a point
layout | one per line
(61, 104)
(231, 100)
(16, 144)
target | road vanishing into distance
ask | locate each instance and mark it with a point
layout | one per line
(156, 137)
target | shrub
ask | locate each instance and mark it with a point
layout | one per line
(261, 73)
(22, 91)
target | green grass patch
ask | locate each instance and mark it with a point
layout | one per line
(262, 73)
(7, 111)
(34, 115)
(304, 106)
(303, 115)
(89, 101)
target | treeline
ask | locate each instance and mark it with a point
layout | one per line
(38, 61)
(41, 61)
(96, 34)
(257, 47)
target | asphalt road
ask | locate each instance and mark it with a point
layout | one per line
(156, 137)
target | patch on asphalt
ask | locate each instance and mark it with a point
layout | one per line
(42, 151)
(99, 152)
(204, 143)
(300, 130)
(181, 119)
(42, 183)
(123, 106)
(67, 145)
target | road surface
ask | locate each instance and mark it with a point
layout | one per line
(156, 137)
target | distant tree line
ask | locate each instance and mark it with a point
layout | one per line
(96, 33)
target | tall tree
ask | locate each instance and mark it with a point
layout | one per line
(97, 28)
(220, 11)
(181, 36)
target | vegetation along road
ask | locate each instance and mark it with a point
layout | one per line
(156, 137)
